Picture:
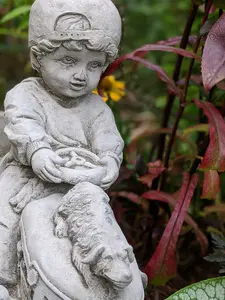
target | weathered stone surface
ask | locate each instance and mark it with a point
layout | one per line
(4, 142)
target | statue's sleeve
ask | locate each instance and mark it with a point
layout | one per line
(24, 124)
(106, 139)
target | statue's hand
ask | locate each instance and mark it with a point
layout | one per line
(25, 195)
(44, 164)
(112, 172)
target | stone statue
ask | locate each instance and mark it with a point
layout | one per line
(58, 235)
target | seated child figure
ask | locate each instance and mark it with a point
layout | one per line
(71, 44)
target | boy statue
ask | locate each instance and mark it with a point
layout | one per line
(64, 141)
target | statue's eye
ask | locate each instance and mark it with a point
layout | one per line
(94, 65)
(68, 60)
(108, 257)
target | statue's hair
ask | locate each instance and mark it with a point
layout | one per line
(45, 46)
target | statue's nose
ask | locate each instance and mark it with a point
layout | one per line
(80, 75)
(128, 277)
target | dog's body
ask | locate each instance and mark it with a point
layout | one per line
(98, 243)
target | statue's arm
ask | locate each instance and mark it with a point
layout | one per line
(24, 124)
(106, 139)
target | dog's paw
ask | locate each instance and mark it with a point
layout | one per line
(61, 229)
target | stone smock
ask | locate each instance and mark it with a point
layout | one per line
(35, 119)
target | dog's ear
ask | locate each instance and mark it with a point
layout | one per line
(93, 255)
(144, 279)
(130, 254)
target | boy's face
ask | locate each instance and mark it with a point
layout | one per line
(72, 73)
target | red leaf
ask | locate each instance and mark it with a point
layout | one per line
(213, 59)
(142, 51)
(154, 170)
(211, 184)
(159, 47)
(162, 265)
(160, 73)
(214, 158)
(119, 211)
(167, 198)
(212, 9)
(128, 195)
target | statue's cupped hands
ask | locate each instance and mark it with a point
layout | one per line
(45, 164)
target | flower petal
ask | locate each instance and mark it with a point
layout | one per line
(111, 78)
(120, 85)
(121, 93)
(114, 96)
(95, 92)
(105, 96)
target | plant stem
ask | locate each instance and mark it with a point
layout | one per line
(182, 101)
(201, 152)
(170, 145)
(188, 77)
(205, 142)
(176, 74)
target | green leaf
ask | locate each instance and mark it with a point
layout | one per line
(24, 24)
(15, 13)
(160, 102)
(195, 128)
(204, 290)
(218, 241)
(13, 32)
(217, 256)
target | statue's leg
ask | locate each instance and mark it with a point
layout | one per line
(10, 181)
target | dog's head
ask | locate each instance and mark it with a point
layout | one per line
(113, 264)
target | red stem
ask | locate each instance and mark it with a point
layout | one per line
(176, 74)
(182, 102)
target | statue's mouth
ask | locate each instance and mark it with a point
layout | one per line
(77, 86)
(118, 284)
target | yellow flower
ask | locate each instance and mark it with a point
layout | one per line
(111, 88)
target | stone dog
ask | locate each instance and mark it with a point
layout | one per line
(98, 244)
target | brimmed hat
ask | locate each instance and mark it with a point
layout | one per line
(101, 21)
